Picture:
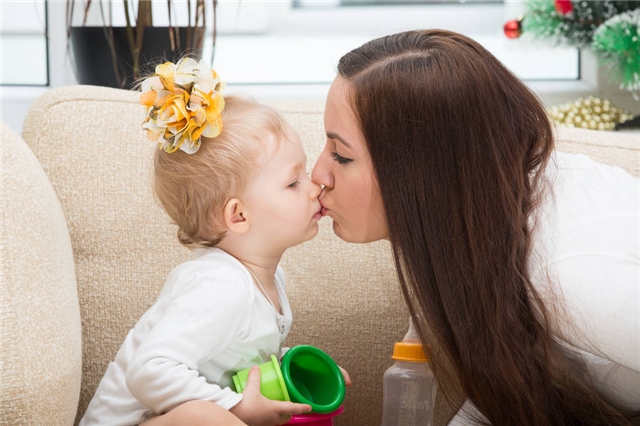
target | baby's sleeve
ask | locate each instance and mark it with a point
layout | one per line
(195, 326)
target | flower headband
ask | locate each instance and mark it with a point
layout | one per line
(184, 103)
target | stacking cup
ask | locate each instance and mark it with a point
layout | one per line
(272, 385)
(314, 419)
(312, 377)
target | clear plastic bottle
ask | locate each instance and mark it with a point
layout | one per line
(409, 387)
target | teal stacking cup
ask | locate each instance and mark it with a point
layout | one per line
(312, 377)
(272, 385)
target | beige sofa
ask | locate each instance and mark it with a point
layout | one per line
(85, 251)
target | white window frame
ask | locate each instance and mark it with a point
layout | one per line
(24, 20)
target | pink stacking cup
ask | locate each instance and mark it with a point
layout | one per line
(315, 419)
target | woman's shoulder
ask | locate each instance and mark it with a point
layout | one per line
(583, 191)
(591, 211)
(578, 171)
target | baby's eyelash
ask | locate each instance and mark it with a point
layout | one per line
(340, 159)
(293, 184)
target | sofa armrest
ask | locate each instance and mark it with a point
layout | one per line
(40, 355)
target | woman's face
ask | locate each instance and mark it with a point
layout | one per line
(350, 195)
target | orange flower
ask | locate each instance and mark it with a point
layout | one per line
(183, 104)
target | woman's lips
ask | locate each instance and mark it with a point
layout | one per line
(323, 209)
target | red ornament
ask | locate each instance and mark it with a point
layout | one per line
(513, 28)
(564, 7)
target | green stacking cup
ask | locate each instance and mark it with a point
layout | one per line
(312, 377)
(272, 385)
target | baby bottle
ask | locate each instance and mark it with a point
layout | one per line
(409, 387)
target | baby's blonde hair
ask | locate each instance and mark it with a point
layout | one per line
(193, 189)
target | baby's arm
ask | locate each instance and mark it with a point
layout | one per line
(201, 413)
(192, 328)
(253, 410)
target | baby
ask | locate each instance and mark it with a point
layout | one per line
(231, 174)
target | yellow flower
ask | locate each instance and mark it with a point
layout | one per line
(183, 104)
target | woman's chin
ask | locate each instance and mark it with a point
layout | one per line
(353, 237)
(344, 234)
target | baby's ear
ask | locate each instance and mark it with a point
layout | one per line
(234, 216)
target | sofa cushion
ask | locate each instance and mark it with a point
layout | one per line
(40, 328)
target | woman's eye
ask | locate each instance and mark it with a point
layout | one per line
(340, 159)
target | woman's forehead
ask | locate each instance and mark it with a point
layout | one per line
(341, 123)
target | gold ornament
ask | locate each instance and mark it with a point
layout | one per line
(589, 113)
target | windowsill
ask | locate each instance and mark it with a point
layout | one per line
(18, 93)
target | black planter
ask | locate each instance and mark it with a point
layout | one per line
(93, 60)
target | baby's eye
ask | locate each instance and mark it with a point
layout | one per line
(293, 184)
(340, 159)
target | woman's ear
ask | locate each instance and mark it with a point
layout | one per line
(234, 216)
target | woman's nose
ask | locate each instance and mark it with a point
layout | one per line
(321, 173)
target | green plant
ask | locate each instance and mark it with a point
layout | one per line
(139, 17)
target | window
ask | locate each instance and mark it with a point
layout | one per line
(24, 43)
(299, 42)
(312, 3)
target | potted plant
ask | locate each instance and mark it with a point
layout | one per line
(117, 56)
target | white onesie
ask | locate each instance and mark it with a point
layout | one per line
(209, 322)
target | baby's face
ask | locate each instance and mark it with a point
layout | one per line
(282, 199)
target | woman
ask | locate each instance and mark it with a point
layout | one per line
(522, 263)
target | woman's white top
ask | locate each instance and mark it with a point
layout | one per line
(586, 255)
(209, 322)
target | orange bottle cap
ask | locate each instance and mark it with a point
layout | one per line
(411, 352)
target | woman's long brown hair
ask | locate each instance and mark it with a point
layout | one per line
(459, 147)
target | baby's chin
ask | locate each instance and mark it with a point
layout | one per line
(313, 232)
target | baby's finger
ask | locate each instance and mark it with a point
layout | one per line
(284, 408)
(253, 381)
(347, 379)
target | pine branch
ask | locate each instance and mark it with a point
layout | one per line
(617, 44)
(543, 22)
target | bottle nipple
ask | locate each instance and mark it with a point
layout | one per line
(412, 334)
(410, 349)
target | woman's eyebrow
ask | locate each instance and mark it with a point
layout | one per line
(337, 137)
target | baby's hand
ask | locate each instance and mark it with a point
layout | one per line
(256, 410)
(347, 379)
